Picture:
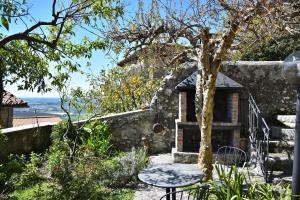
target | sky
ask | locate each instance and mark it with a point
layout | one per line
(41, 10)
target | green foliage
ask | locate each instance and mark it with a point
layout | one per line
(9, 9)
(3, 141)
(96, 172)
(58, 132)
(86, 177)
(93, 174)
(49, 191)
(269, 192)
(41, 190)
(122, 89)
(233, 184)
(277, 47)
(123, 169)
(7, 169)
(56, 157)
(25, 60)
(30, 173)
(96, 138)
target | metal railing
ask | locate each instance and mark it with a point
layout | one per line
(259, 137)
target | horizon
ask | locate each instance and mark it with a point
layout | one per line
(54, 97)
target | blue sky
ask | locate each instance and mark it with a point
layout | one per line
(41, 10)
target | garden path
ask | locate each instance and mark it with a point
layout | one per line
(146, 192)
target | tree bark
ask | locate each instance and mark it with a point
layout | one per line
(1, 99)
(208, 68)
(205, 158)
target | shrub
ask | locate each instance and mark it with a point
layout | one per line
(14, 165)
(30, 173)
(3, 141)
(90, 174)
(232, 184)
(42, 190)
(93, 139)
(127, 167)
(96, 139)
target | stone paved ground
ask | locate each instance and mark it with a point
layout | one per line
(146, 192)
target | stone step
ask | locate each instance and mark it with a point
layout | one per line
(282, 133)
(280, 162)
(288, 120)
(184, 157)
(279, 177)
(281, 146)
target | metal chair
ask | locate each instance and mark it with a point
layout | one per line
(197, 193)
(228, 156)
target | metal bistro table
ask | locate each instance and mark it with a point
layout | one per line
(171, 176)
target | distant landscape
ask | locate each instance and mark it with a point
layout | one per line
(39, 107)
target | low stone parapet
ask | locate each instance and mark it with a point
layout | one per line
(24, 139)
(127, 130)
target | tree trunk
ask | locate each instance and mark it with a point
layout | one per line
(205, 91)
(208, 67)
(1, 95)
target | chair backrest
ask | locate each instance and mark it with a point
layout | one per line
(196, 193)
(228, 155)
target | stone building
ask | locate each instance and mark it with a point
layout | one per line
(154, 59)
(227, 112)
(9, 102)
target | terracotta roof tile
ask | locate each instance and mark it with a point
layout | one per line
(33, 120)
(10, 100)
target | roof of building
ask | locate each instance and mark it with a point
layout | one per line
(163, 50)
(35, 120)
(10, 100)
(223, 82)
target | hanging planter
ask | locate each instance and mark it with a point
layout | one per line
(157, 126)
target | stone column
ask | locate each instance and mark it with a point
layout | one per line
(235, 118)
(235, 108)
(182, 107)
(236, 138)
(179, 140)
(6, 117)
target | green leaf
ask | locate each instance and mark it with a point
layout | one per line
(5, 22)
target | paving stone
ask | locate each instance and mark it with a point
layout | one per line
(146, 192)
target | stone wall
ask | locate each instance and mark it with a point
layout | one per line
(168, 104)
(6, 115)
(264, 80)
(127, 131)
(24, 139)
(129, 128)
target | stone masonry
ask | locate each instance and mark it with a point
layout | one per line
(168, 98)
(6, 117)
(182, 106)
(263, 79)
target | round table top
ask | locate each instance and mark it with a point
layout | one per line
(171, 175)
